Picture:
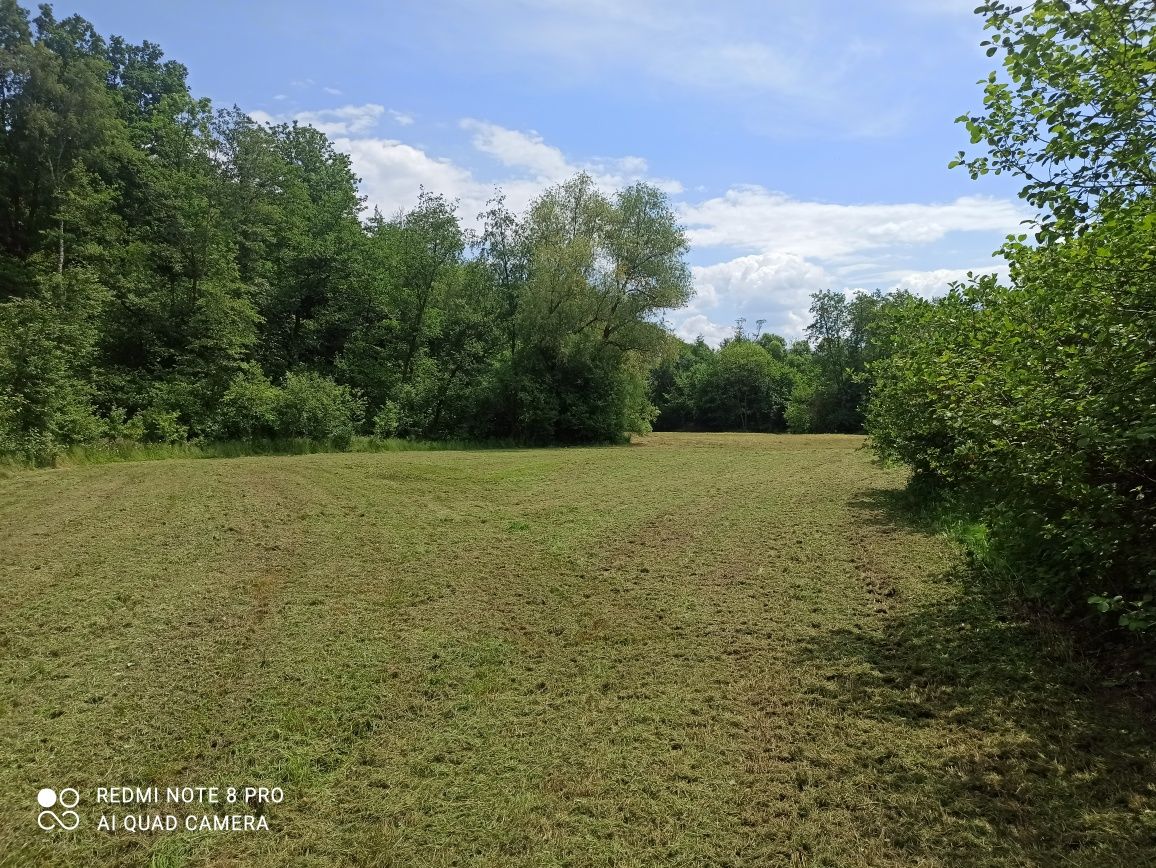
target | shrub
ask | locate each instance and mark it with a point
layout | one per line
(1037, 404)
(386, 421)
(162, 426)
(316, 407)
(799, 415)
(248, 409)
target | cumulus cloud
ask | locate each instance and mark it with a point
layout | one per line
(776, 287)
(528, 152)
(393, 173)
(754, 218)
(937, 280)
(401, 118)
(759, 279)
(697, 325)
(349, 120)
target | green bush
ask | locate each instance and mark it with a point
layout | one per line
(799, 414)
(162, 426)
(248, 409)
(1037, 404)
(386, 421)
(316, 407)
(44, 407)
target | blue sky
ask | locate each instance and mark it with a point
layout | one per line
(804, 143)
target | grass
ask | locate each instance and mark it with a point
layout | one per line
(115, 451)
(699, 650)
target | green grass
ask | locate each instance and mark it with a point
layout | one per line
(110, 452)
(698, 650)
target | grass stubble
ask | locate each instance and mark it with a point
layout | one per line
(699, 650)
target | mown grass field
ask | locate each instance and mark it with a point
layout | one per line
(699, 650)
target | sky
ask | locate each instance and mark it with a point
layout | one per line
(803, 143)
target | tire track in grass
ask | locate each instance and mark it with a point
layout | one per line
(745, 614)
(550, 662)
(666, 655)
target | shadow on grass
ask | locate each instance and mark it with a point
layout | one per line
(886, 507)
(1001, 745)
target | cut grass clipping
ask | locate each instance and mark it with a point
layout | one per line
(698, 650)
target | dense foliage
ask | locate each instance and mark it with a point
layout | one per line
(1035, 404)
(760, 382)
(171, 271)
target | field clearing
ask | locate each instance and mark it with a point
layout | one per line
(698, 650)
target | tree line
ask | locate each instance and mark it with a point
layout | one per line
(173, 272)
(760, 381)
(169, 271)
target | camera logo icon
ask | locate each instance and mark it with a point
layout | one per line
(48, 819)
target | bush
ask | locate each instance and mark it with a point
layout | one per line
(162, 426)
(1037, 404)
(799, 416)
(44, 406)
(118, 427)
(316, 407)
(386, 421)
(248, 409)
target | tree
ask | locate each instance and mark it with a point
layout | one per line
(1074, 114)
(168, 270)
(740, 387)
(598, 274)
(835, 382)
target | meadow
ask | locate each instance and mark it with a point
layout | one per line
(695, 650)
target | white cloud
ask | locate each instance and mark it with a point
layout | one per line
(698, 324)
(776, 287)
(263, 117)
(754, 218)
(937, 280)
(344, 121)
(393, 173)
(527, 151)
(332, 90)
(517, 149)
(765, 278)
